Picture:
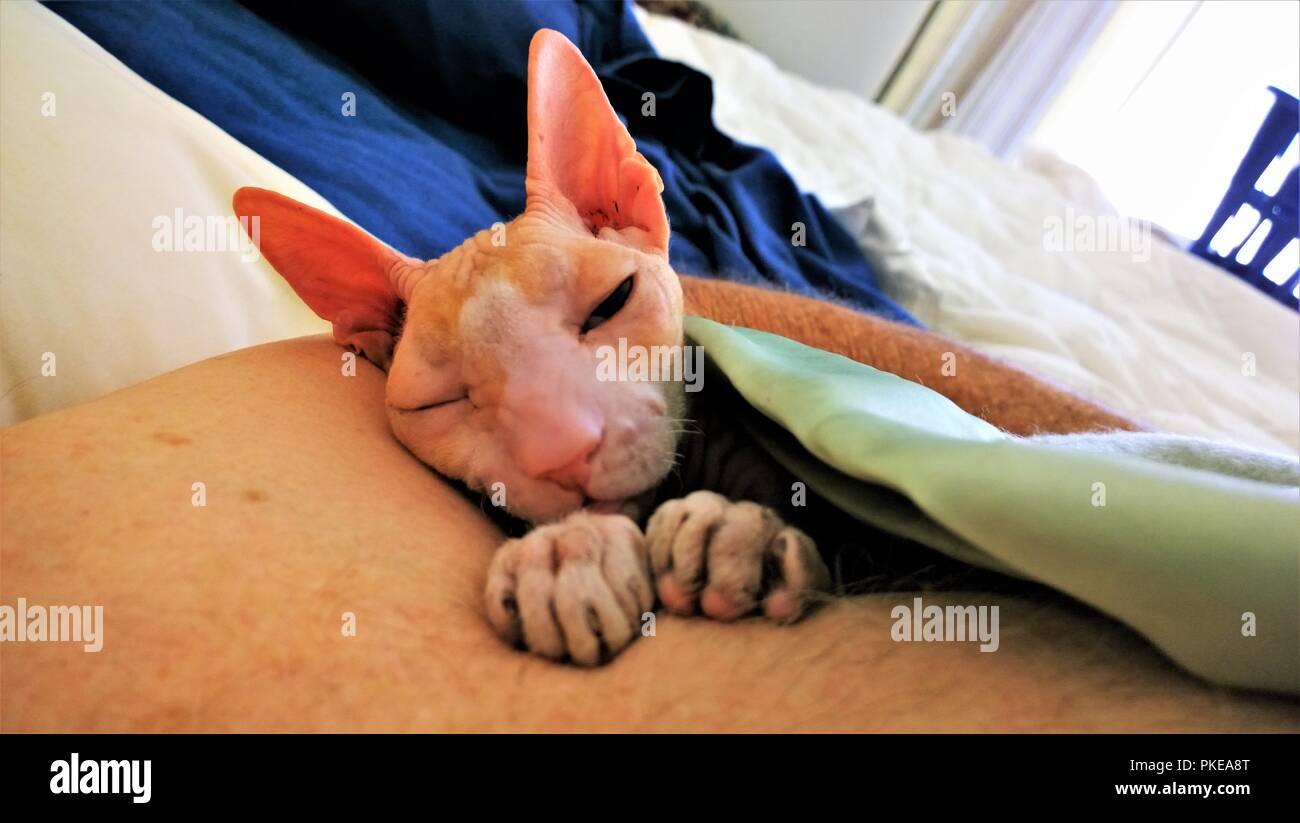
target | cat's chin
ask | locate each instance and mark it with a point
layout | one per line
(635, 506)
(605, 506)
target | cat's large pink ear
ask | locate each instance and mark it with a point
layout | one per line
(579, 151)
(346, 276)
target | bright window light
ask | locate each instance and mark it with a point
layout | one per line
(1256, 240)
(1166, 104)
(1285, 264)
(1271, 180)
(1234, 231)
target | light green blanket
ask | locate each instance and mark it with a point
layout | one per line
(1194, 545)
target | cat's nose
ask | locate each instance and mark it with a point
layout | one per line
(560, 452)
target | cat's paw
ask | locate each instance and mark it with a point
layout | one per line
(725, 558)
(575, 589)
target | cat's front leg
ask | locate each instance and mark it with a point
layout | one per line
(727, 557)
(577, 588)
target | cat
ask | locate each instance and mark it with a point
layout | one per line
(490, 352)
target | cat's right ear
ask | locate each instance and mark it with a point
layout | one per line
(579, 151)
(346, 276)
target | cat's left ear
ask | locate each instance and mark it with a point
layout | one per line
(578, 150)
(346, 276)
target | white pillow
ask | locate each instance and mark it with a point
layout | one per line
(96, 162)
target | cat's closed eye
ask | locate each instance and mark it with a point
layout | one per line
(440, 404)
(610, 306)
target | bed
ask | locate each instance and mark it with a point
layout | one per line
(111, 165)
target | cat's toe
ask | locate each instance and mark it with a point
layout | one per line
(794, 576)
(535, 593)
(595, 624)
(501, 597)
(735, 560)
(678, 535)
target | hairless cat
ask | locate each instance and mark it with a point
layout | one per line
(491, 352)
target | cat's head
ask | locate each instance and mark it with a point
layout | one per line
(492, 349)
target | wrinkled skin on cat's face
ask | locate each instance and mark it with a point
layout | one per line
(505, 388)
(491, 349)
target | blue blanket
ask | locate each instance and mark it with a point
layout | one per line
(436, 149)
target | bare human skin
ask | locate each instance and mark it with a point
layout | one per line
(229, 616)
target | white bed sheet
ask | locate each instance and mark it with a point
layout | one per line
(958, 237)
